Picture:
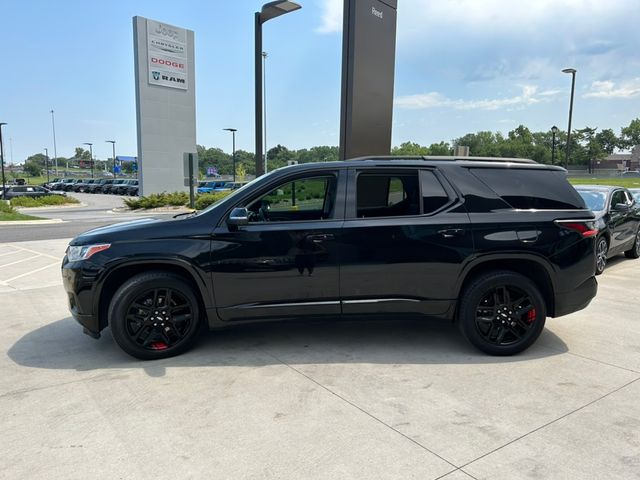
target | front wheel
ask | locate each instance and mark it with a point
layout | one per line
(602, 250)
(502, 313)
(155, 315)
(634, 251)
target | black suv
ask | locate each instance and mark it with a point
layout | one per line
(494, 245)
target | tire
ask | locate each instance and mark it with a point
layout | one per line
(500, 323)
(602, 250)
(634, 251)
(144, 326)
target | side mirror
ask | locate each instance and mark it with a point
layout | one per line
(239, 218)
(621, 207)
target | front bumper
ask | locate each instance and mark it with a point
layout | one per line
(576, 299)
(80, 288)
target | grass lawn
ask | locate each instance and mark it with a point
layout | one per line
(617, 182)
(8, 213)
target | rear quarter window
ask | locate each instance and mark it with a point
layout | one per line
(531, 189)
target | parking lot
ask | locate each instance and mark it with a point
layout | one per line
(394, 399)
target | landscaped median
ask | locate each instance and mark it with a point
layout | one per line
(175, 199)
(46, 201)
(9, 214)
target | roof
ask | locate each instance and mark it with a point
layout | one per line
(599, 188)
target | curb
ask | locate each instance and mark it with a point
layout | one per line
(47, 221)
(53, 207)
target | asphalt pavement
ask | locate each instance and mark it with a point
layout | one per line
(96, 211)
(392, 399)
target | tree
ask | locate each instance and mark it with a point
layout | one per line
(409, 148)
(630, 136)
(608, 140)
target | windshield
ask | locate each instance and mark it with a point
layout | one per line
(595, 200)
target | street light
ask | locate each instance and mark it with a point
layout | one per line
(113, 145)
(55, 151)
(233, 133)
(554, 131)
(572, 71)
(91, 152)
(46, 161)
(264, 106)
(269, 11)
(4, 185)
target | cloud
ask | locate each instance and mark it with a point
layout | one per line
(609, 89)
(437, 100)
(331, 21)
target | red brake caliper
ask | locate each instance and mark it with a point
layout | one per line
(158, 346)
(531, 315)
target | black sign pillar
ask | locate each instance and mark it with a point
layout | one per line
(368, 69)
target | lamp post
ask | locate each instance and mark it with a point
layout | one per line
(233, 134)
(554, 131)
(91, 152)
(4, 185)
(113, 146)
(269, 10)
(264, 106)
(55, 151)
(572, 71)
(46, 162)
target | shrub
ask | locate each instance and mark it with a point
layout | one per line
(205, 199)
(42, 201)
(156, 200)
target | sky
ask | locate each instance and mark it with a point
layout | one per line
(461, 66)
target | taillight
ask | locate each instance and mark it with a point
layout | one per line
(586, 228)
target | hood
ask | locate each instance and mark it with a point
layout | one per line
(122, 230)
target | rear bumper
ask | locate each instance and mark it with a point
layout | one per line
(576, 299)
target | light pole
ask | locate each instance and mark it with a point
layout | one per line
(55, 151)
(113, 145)
(269, 10)
(264, 106)
(233, 134)
(572, 71)
(91, 152)
(554, 131)
(4, 184)
(46, 162)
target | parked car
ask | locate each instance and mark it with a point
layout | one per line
(126, 188)
(62, 184)
(84, 185)
(70, 186)
(98, 187)
(33, 191)
(109, 187)
(631, 174)
(209, 187)
(495, 245)
(617, 220)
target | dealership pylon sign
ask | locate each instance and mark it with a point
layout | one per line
(167, 55)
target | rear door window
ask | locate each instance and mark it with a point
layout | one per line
(387, 194)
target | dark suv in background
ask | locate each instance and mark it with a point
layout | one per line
(495, 245)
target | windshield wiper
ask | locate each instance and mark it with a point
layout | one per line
(185, 213)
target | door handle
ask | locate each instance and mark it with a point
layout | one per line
(451, 232)
(320, 237)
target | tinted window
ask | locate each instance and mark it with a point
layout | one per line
(618, 197)
(595, 200)
(302, 199)
(387, 195)
(19, 189)
(434, 196)
(531, 189)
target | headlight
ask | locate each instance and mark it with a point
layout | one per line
(83, 252)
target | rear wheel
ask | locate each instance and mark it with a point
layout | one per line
(634, 251)
(502, 313)
(155, 315)
(602, 250)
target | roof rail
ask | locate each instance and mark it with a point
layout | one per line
(445, 158)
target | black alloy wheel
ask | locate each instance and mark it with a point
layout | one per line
(154, 315)
(634, 251)
(602, 250)
(502, 313)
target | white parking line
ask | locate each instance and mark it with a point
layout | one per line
(33, 251)
(20, 261)
(31, 272)
(8, 253)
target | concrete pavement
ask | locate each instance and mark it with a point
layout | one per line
(317, 400)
